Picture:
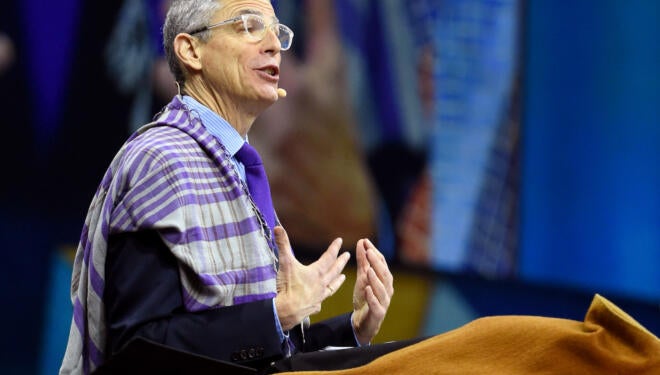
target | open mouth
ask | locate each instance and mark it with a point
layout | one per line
(272, 71)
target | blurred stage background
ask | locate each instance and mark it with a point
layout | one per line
(502, 153)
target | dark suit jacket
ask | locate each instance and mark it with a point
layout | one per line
(143, 298)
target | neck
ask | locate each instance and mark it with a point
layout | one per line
(239, 115)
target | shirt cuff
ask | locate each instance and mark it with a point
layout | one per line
(278, 326)
(355, 335)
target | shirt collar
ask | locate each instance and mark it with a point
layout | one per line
(217, 126)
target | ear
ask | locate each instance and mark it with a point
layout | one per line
(187, 51)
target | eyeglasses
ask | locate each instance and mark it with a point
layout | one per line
(255, 27)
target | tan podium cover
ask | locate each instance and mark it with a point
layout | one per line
(608, 341)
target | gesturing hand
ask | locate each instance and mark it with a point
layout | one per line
(372, 293)
(300, 288)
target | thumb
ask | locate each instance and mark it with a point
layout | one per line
(283, 245)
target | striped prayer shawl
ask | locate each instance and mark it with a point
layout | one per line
(172, 176)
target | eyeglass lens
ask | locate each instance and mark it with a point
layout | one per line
(256, 27)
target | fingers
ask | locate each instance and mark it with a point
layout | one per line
(374, 284)
(375, 305)
(330, 255)
(334, 278)
(362, 278)
(378, 289)
(361, 254)
(369, 246)
(331, 264)
(335, 284)
(370, 318)
(376, 309)
(379, 266)
(368, 257)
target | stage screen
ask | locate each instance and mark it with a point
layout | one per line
(503, 139)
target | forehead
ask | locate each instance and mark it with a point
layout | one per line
(232, 8)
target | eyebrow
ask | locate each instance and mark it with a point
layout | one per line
(249, 11)
(253, 11)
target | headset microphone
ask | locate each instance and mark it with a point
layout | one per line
(281, 92)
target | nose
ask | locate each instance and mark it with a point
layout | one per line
(271, 42)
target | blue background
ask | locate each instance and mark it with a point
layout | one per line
(590, 189)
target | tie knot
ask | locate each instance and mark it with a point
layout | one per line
(248, 155)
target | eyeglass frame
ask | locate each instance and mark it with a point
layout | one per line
(242, 18)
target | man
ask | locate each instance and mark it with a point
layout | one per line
(178, 248)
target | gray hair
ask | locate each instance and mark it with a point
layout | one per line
(182, 17)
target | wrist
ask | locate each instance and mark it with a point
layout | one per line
(359, 337)
(285, 315)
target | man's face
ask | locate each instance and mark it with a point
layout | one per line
(237, 67)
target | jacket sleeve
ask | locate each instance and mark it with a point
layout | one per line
(143, 298)
(336, 331)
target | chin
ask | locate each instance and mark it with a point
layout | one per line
(270, 96)
(264, 98)
(263, 102)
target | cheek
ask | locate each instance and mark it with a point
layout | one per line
(223, 71)
(238, 71)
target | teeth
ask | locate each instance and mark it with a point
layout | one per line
(270, 71)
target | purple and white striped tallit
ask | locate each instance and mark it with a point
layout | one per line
(175, 177)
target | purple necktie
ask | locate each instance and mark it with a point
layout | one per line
(257, 182)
